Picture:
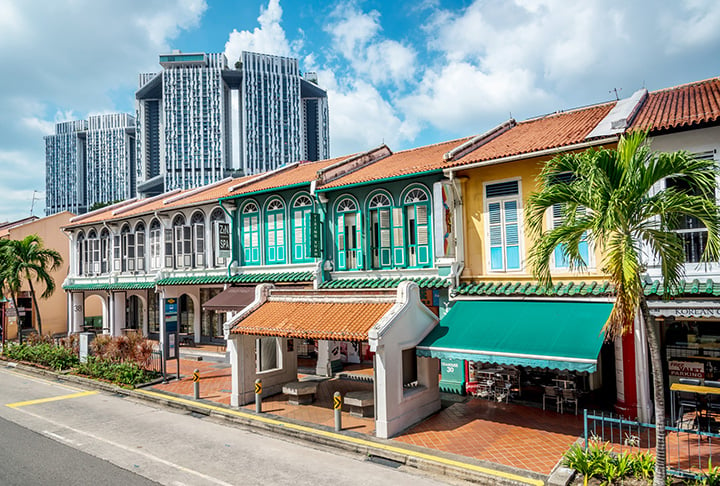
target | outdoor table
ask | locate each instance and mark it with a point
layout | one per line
(681, 387)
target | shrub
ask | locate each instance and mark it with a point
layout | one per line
(125, 373)
(132, 348)
(43, 353)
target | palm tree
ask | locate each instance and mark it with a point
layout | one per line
(608, 199)
(28, 259)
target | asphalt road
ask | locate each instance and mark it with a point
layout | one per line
(51, 433)
(28, 458)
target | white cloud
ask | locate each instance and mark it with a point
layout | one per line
(269, 38)
(68, 58)
(356, 37)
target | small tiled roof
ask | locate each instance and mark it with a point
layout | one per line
(110, 286)
(399, 164)
(337, 321)
(560, 289)
(165, 202)
(278, 277)
(547, 132)
(680, 107)
(384, 283)
(302, 173)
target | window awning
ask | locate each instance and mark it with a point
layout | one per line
(231, 299)
(555, 335)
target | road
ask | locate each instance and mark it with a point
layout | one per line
(86, 435)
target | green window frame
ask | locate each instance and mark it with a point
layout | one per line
(380, 230)
(275, 232)
(300, 220)
(348, 232)
(250, 234)
(416, 205)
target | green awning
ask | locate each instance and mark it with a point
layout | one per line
(554, 335)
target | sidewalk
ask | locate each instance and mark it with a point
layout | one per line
(511, 435)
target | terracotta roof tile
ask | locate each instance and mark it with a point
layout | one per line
(551, 131)
(339, 321)
(681, 106)
(304, 172)
(405, 162)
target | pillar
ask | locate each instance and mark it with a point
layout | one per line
(323, 366)
(117, 321)
(625, 377)
(76, 309)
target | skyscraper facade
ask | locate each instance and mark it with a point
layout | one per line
(187, 128)
(89, 162)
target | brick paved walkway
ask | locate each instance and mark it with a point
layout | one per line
(514, 435)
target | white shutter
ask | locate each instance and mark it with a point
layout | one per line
(199, 230)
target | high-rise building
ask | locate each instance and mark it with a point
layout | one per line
(89, 162)
(187, 128)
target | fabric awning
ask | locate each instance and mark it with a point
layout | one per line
(555, 335)
(231, 299)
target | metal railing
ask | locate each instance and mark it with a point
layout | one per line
(689, 451)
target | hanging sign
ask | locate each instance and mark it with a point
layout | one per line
(313, 242)
(223, 240)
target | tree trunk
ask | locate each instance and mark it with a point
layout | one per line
(17, 316)
(658, 392)
(37, 309)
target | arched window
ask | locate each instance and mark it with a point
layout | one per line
(177, 254)
(300, 218)
(250, 233)
(140, 246)
(128, 249)
(198, 239)
(104, 251)
(93, 253)
(379, 209)
(221, 238)
(155, 244)
(348, 234)
(275, 231)
(81, 258)
(417, 213)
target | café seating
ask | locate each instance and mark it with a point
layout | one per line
(688, 401)
(553, 393)
(570, 396)
(713, 400)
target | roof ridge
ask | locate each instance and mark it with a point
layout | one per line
(686, 85)
(142, 202)
(197, 190)
(567, 112)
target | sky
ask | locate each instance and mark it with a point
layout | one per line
(406, 73)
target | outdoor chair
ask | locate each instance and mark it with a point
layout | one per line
(713, 401)
(570, 396)
(553, 393)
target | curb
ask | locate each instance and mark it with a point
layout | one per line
(427, 460)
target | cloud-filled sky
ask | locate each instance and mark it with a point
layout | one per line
(407, 73)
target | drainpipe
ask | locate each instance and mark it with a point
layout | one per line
(233, 245)
(323, 220)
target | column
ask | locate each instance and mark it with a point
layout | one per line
(117, 322)
(76, 308)
(323, 367)
(625, 379)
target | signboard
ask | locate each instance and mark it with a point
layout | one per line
(686, 369)
(313, 242)
(223, 240)
(171, 328)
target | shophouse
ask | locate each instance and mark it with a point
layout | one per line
(687, 118)
(53, 310)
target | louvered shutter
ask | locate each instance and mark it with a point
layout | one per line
(298, 235)
(495, 226)
(358, 241)
(187, 246)
(340, 230)
(398, 236)
(280, 237)
(423, 234)
(512, 235)
(199, 236)
(179, 260)
(116, 253)
(169, 249)
(385, 237)
(140, 250)
(130, 256)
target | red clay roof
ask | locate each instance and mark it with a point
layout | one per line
(338, 321)
(405, 162)
(681, 106)
(305, 172)
(192, 196)
(551, 131)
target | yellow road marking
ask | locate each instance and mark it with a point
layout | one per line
(51, 399)
(354, 440)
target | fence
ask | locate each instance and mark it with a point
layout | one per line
(690, 451)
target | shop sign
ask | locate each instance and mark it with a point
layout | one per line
(223, 240)
(313, 249)
(686, 369)
(171, 328)
(680, 310)
(452, 370)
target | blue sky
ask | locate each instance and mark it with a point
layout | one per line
(407, 73)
